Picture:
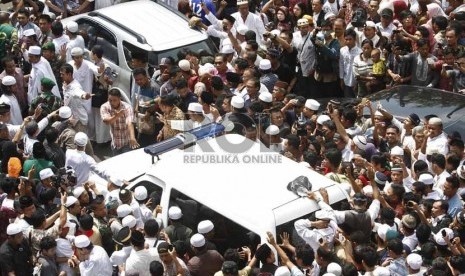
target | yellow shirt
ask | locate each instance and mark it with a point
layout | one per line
(379, 68)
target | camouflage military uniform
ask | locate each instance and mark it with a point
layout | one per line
(49, 103)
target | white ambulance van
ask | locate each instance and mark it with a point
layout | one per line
(242, 193)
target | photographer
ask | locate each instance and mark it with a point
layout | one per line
(327, 60)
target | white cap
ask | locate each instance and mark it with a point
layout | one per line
(64, 112)
(77, 51)
(275, 32)
(426, 178)
(439, 239)
(129, 221)
(370, 24)
(118, 257)
(72, 27)
(381, 271)
(237, 102)
(195, 107)
(34, 50)
(13, 229)
(70, 200)
(242, 29)
(78, 191)
(140, 193)
(227, 49)
(123, 210)
(116, 181)
(282, 271)
(265, 64)
(302, 22)
(45, 173)
(322, 118)
(29, 32)
(80, 139)
(414, 261)
(312, 104)
(360, 142)
(266, 97)
(242, 2)
(435, 121)
(397, 151)
(382, 231)
(81, 241)
(272, 130)
(174, 213)
(197, 240)
(184, 65)
(205, 226)
(8, 80)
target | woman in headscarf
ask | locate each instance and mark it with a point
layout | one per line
(434, 9)
(9, 150)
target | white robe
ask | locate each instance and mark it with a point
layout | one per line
(15, 110)
(97, 264)
(39, 70)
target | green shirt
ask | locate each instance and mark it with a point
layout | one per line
(40, 164)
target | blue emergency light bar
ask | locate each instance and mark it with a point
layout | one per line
(183, 139)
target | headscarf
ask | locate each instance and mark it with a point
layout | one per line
(9, 150)
(434, 10)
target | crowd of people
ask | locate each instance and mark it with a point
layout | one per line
(405, 180)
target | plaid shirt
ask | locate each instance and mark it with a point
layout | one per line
(119, 129)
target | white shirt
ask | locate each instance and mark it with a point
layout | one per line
(387, 32)
(440, 179)
(60, 41)
(439, 142)
(98, 263)
(346, 61)
(39, 70)
(85, 76)
(82, 164)
(312, 236)
(29, 141)
(253, 22)
(72, 43)
(120, 256)
(15, 110)
(138, 262)
(72, 94)
(331, 7)
(411, 241)
(435, 194)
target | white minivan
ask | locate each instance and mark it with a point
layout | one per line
(242, 193)
(144, 26)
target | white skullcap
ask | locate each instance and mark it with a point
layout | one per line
(80, 139)
(282, 271)
(360, 142)
(118, 258)
(414, 261)
(312, 104)
(195, 107)
(435, 121)
(329, 15)
(34, 50)
(426, 178)
(227, 49)
(8, 80)
(265, 64)
(45, 173)
(381, 271)
(72, 27)
(184, 65)
(78, 191)
(272, 130)
(205, 226)
(322, 118)
(123, 210)
(382, 231)
(242, 2)
(174, 213)
(77, 51)
(439, 239)
(370, 24)
(116, 181)
(13, 229)
(70, 200)
(29, 32)
(237, 102)
(140, 193)
(367, 190)
(197, 240)
(242, 29)
(302, 22)
(64, 112)
(81, 241)
(266, 97)
(129, 221)
(397, 151)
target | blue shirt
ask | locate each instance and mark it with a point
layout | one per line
(197, 9)
(455, 205)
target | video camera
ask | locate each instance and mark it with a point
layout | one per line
(65, 176)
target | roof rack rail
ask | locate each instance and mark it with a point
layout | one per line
(184, 139)
(140, 38)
